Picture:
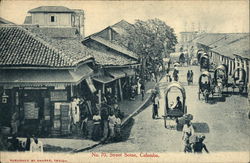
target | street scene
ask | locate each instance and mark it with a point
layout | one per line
(137, 77)
(220, 128)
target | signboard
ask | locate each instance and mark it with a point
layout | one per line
(58, 95)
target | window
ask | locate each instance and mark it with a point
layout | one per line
(52, 19)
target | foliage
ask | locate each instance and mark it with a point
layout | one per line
(151, 40)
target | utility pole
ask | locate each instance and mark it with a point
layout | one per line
(185, 26)
(199, 27)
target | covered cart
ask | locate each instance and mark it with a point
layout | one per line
(204, 62)
(205, 85)
(175, 102)
(178, 57)
(221, 76)
(240, 79)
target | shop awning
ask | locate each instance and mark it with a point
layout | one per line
(129, 72)
(116, 73)
(104, 79)
(44, 77)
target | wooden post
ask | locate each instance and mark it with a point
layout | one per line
(99, 96)
(71, 91)
(120, 89)
(103, 88)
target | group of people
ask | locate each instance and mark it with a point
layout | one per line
(107, 126)
(14, 144)
(195, 146)
(190, 76)
(136, 89)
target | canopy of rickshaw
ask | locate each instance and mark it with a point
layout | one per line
(205, 74)
(221, 67)
(204, 55)
(243, 72)
(176, 85)
(199, 53)
(176, 56)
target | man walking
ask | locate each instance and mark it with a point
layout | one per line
(142, 91)
(155, 107)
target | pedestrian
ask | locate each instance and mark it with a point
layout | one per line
(36, 145)
(187, 132)
(132, 93)
(188, 77)
(198, 146)
(142, 91)
(27, 143)
(155, 107)
(104, 99)
(111, 120)
(97, 126)
(170, 79)
(117, 128)
(188, 147)
(138, 86)
(104, 123)
(14, 143)
(109, 97)
(175, 74)
(191, 76)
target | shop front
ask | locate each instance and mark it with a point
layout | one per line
(43, 102)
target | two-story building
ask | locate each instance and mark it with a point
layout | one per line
(50, 18)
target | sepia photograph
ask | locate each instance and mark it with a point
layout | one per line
(124, 81)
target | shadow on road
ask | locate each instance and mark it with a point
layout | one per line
(126, 130)
(214, 100)
(200, 127)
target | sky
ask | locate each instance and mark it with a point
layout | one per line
(214, 16)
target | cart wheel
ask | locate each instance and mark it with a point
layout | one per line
(199, 96)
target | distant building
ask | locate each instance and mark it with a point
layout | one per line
(230, 49)
(57, 17)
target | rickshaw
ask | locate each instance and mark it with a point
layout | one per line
(221, 76)
(240, 79)
(205, 88)
(178, 110)
(199, 54)
(204, 62)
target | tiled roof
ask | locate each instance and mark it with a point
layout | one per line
(122, 24)
(70, 46)
(21, 47)
(114, 46)
(110, 59)
(240, 47)
(227, 39)
(73, 48)
(209, 38)
(54, 9)
(4, 21)
(54, 32)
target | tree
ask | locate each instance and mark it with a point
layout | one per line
(151, 40)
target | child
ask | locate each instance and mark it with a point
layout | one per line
(118, 128)
(199, 145)
(112, 121)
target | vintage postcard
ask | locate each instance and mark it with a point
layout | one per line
(124, 81)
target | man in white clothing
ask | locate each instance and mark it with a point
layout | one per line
(36, 146)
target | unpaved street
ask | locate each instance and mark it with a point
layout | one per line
(224, 123)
